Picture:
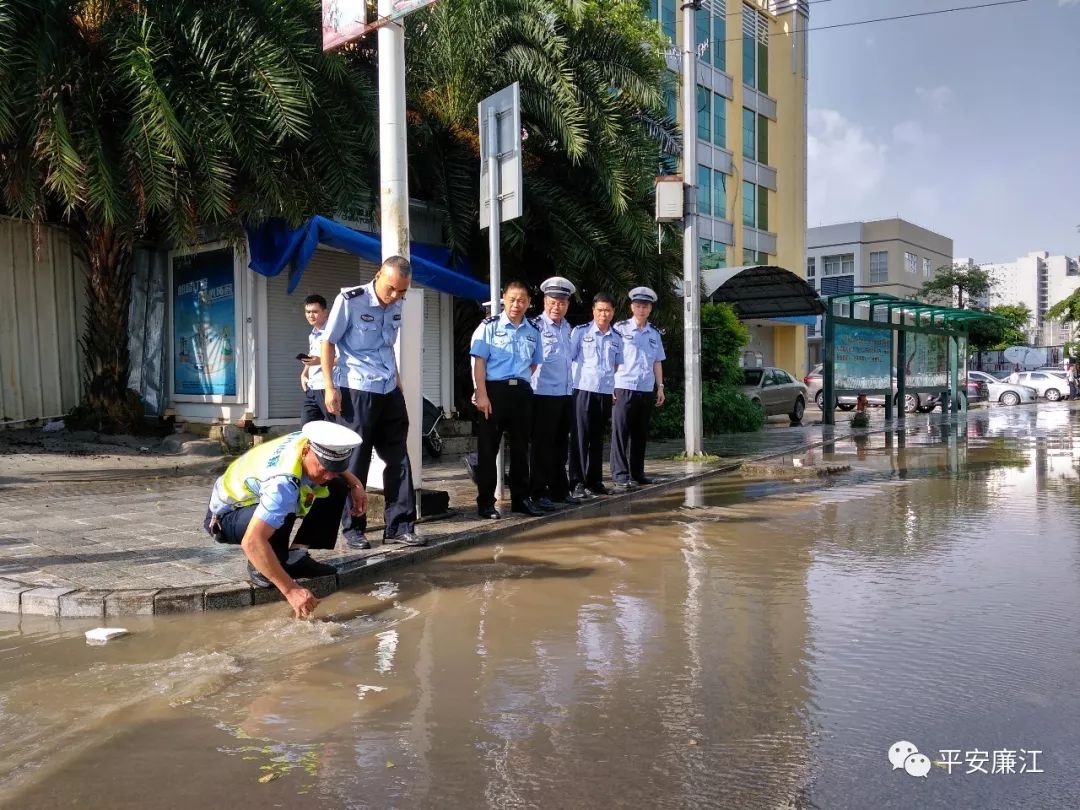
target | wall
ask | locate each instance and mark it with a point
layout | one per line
(42, 300)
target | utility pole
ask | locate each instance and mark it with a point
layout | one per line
(393, 149)
(691, 267)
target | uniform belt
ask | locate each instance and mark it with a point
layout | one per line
(511, 381)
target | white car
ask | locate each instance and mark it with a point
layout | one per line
(1004, 392)
(1048, 384)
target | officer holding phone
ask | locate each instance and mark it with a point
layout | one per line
(312, 380)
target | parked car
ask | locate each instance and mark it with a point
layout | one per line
(1048, 384)
(775, 392)
(1002, 391)
(912, 402)
(976, 389)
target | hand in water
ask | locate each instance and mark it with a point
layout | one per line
(302, 601)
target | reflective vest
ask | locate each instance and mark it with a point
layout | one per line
(242, 481)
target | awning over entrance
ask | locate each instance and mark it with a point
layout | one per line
(765, 291)
(274, 245)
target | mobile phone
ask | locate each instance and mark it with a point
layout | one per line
(303, 357)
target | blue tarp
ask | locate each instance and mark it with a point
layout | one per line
(274, 245)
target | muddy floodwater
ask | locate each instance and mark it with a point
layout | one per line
(736, 644)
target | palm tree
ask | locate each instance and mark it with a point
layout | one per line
(123, 120)
(594, 126)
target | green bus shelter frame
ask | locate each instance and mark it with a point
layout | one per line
(901, 317)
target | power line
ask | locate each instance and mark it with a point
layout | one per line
(886, 19)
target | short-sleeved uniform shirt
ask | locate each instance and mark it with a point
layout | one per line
(279, 497)
(364, 332)
(596, 354)
(641, 348)
(510, 351)
(315, 379)
(552, 379)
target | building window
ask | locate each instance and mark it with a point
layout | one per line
(911, 263)
(719, 117)
(879, 266)
(704, 190)
(704, 115)
(755, 133)
(719, 34)
(713, 255)
(719, 194)
(842, 264)
(926, 267)
(749, 216)
(667, 18)
(671, 94)
(755, 49)
(811, 267)
(702, 34)
(754, 257)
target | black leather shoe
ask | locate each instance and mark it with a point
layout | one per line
(408, 539)
(580, 493)
(545, 503)
(644, 481)
(572, 500)
(257, 579)
(488, 512)
(621, 487)
(597, 490)
(308, 566)
(527, 507)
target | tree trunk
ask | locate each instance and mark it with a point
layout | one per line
(105, 399)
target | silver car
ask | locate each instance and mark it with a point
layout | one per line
(1004, 392)
(775, 392)
(846, 402)
(1049, 384)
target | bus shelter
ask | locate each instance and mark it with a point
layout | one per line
(871, 340)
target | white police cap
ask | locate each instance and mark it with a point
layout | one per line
(558, 286)
(643, 294)
(331, 443)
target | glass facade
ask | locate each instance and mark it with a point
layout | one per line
(704, 114)
(719, 117)
(704, 190)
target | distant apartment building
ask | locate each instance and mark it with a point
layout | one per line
(1038, 280)
(891, 256)
(751, 136)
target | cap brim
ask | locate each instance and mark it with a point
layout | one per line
(335, 465)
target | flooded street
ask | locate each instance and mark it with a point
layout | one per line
(737, 644)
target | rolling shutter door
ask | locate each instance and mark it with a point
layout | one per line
(432, 349)
(286, 329)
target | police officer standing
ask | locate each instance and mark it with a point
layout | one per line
(552, 404)
(597, 353)
(257, 500)
(312, 381)
(641, 371)
(363, 392)
(506, 351)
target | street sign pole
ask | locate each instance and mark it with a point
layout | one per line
(499, 119)
(692, 427)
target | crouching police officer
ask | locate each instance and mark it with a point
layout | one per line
(506, 351)
(259, 497)
(641, 370)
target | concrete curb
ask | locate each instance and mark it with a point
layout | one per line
(75, 603)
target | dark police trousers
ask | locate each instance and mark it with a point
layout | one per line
(551, 421)
(382, 421)
(318, 530)
(314, 408)
(511, 411)
(591, 413)
(629, 430)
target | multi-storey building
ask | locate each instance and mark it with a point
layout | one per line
(889, 256)
(751, 136)
(1038, 280)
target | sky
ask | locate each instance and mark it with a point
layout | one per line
(965, 123)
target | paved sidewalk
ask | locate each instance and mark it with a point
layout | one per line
(120, 538)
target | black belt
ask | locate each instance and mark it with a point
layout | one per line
(514, 381)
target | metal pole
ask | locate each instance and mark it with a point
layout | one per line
(828, 358)
(494, 246)
(691, 268)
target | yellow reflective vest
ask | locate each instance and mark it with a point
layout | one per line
(241, 483)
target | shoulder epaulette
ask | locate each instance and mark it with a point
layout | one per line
(355, 291)
(534, 321)
(580, 326)
(491, 319)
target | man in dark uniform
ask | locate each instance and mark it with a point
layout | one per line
(596, 349)
(642, 370)
(552, 404)
(363, 391)
(506, 351)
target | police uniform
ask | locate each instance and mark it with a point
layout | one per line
(314, 400)
(365, 372)
(552, 403)
(268, 482)
(634, 394)
(596, 355)
(510, 352)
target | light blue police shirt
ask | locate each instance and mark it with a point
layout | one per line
(509, 350)
(279, 497)
(595, 355)
(364, 332)
(315, 379)
(641, 348)
(552, 379)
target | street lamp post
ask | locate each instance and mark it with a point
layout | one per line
(691, 268)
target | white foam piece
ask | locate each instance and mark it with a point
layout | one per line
(101, 635)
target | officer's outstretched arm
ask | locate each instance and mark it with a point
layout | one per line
(256, 545)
